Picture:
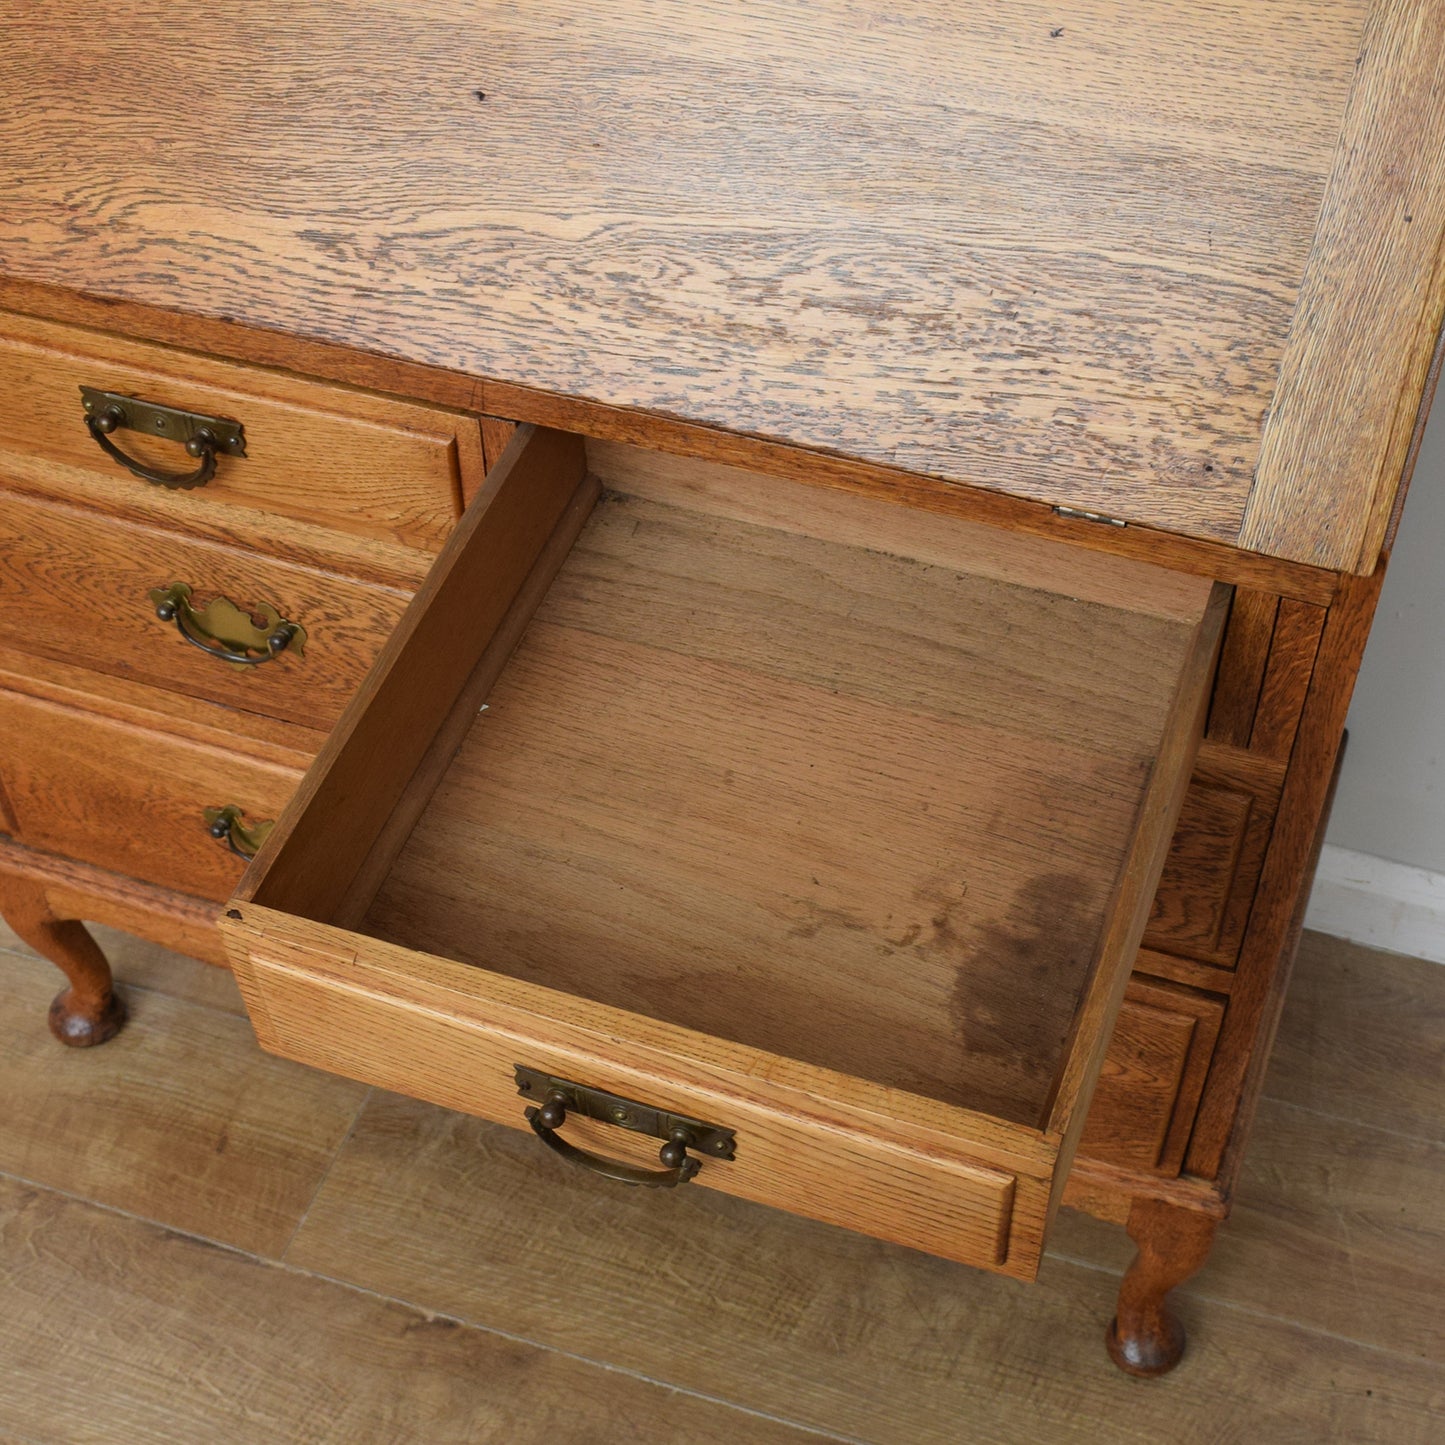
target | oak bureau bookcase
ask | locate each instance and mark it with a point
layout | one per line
(770, 589)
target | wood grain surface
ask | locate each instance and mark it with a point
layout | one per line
(131, 798)
(75, 587)
(179, 1118)
(472, 699)
(183, 1340)
(1348, 407)
(708, 1066)
(327, 454)
(728, 761)
(267, 740)
(82, 891)
(1237, 1072)
(479, 1230)
(1207, 887)
(1292, 652)
(1143, 1105)
(705, 714)
(333, 362)
(390, 723)
(811, 507)
(1057, 260)
(313, 544)
(1327, 1203)
(958, 1184)
(1242, 661)
(1172, 967)
(876, 1343)
(1385, 1017)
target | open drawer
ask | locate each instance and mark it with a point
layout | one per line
(751, 804)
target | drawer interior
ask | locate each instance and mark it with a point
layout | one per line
(879, 794)
(818, 799)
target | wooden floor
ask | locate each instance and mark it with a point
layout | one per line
(202, 1243)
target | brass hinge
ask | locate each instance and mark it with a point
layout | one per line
(1077, 514)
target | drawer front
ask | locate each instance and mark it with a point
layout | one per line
(1144, 1103)
(349, 460)
(129, 798)
(430, 1037)
(77, 587)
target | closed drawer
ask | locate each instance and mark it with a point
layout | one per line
(350, 460)
(1153, 1076)
(128, 797)
(785, 811)
(77, 587)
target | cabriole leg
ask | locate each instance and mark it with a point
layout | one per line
(1145, 1337)
(90, 1011)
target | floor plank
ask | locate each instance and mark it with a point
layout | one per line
(781, 1314)
(181, 1118)
(1363, 1037)
(1340, 1226)
(112, 1330)
(1334, 1252)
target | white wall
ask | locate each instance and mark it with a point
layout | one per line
(1391, 800)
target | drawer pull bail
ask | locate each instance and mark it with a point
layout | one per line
(226, 631)
(678, 1133)
(228, 825)
(202, 436)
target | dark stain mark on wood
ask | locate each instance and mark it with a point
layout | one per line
(1039, 951)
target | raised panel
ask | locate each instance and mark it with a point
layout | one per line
(1202, 903)
(1153, 1075)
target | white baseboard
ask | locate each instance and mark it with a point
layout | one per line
(1384, 904)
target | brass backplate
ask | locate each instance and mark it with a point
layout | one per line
(227, 437)
(707, 1139)
(231, 633)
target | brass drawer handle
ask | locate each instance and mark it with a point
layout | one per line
(678, 1132)
(223, 630)
(202, 436)
(228, 825)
